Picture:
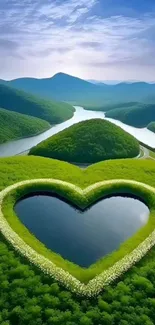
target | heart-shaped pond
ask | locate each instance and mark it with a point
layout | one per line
(82, 237)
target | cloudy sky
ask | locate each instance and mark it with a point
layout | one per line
(92, 39)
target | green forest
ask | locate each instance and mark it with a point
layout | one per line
(108, 106)
(15, 125)
(28, 296)
(151, 127)
(139, 115)
(24, 103)
(89, 142)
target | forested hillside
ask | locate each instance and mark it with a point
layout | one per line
(108, 106)
(151, 127)
(24, 103)
(139, 115)
(89, 142)
(15, 125)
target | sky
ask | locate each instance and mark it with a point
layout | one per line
(91, 39)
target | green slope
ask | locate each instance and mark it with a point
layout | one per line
(15, 125)
(89, 142)
(151, 126)
(139, 115)
(21, 102)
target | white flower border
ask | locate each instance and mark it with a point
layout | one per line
(94, 286)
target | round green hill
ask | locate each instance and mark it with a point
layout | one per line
(89, 142)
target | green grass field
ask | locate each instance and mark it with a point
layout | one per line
(152, 154)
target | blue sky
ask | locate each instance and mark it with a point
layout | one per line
(92, 39)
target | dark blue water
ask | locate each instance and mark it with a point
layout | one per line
(82, 237)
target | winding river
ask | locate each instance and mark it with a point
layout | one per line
(17, 147)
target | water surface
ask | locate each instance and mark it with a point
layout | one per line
(20, 146)
(82, 237)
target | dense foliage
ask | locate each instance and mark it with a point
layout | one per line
(15, 125)
(151, 127)
(29, 297)
(108, 106)
(88, 142)
(21, 102)
(139, 115)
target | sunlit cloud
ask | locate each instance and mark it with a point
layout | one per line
(77, 37)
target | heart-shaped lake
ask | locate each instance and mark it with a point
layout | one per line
(82, 237)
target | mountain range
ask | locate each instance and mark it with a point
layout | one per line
(68, 88)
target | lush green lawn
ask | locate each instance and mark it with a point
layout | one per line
(14, 169)
(30, 297)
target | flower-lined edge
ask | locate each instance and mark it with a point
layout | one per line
(96, 285)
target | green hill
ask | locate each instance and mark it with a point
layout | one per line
(15, 125)
(24, 103)
(139, 115)
(89, 142)
(151, 127)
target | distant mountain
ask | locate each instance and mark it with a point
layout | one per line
(3, 81)
(24, 103)
(115, 82)
(64, 87)
(14, 125)
(150, 99)
(104, 82)
(61, 86)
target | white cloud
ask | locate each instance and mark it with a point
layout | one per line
(68, 36)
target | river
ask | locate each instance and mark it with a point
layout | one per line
(17, 147)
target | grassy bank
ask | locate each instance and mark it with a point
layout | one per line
(59, 170)
(81, 199)
(28, 296)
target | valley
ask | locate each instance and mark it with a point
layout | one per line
(20, 146)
